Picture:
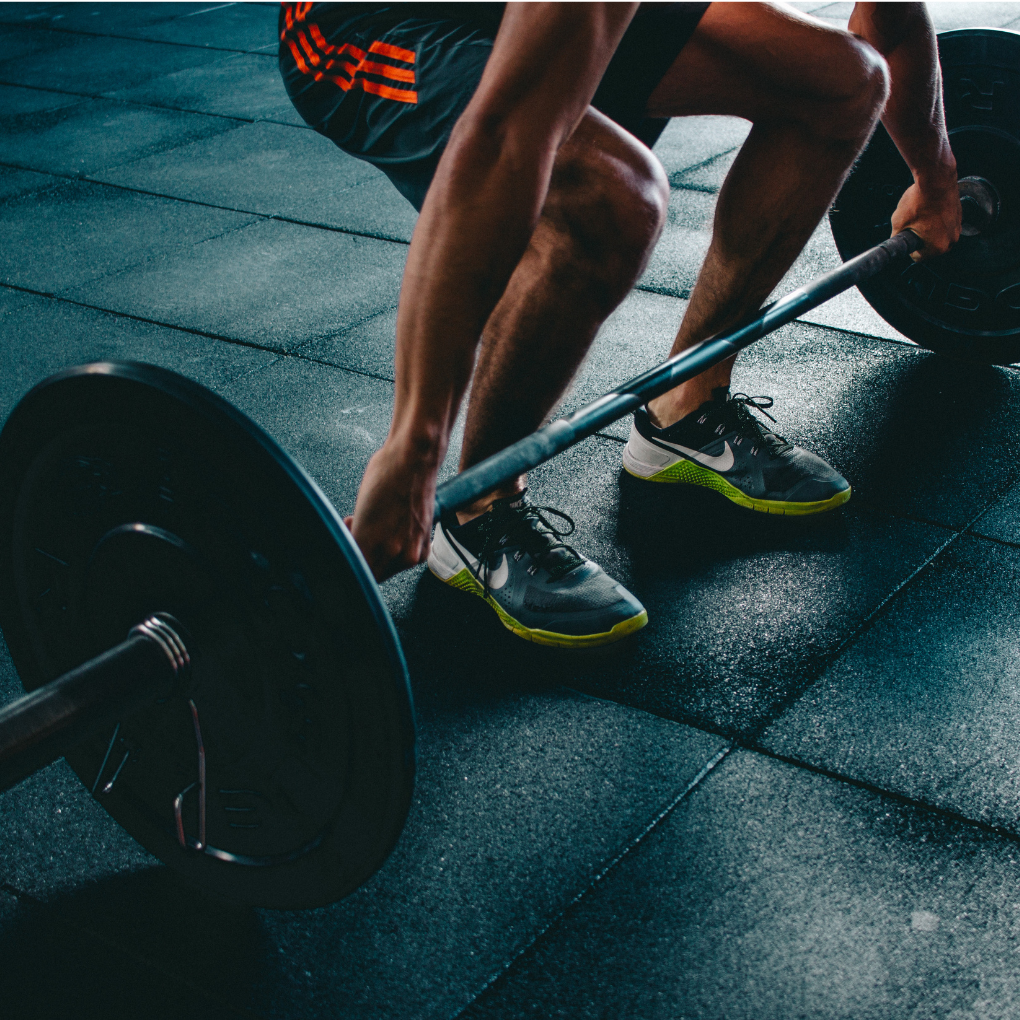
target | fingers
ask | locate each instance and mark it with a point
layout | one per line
(934, 215)
(392, 520)
(388, 558)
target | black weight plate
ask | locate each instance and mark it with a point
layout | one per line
(127, 490)
(965, 303)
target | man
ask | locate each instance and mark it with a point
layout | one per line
(522, 136)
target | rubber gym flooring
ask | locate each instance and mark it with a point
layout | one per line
(796, 794)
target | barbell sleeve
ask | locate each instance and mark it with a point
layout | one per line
(46, 723)
(558, 435)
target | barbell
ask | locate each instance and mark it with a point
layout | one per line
(198, 633)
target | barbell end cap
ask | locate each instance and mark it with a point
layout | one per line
(912, 241)
(168, 634)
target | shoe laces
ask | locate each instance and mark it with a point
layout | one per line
(527, 525)
(740, 403)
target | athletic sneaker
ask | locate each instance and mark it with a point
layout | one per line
(724, 447)
(514, 558)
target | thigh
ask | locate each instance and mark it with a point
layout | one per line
(757, 61)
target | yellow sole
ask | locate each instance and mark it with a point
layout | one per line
(685, 472)
(466, 581)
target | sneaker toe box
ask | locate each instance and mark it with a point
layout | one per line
(806, 478)
(591, 603)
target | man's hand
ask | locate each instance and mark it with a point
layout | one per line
(904, 35)
(392, 521)
(934, 213)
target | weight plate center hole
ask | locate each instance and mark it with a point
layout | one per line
(981, 204)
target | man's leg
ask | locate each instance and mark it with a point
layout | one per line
(604, 213)
(602, 216)
(813, 95)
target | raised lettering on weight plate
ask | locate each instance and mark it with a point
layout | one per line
(976, 97)
(965, 299)
(921, 280)
(241, 808)
(1009, 297)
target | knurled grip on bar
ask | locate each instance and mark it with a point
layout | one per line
(557, 436)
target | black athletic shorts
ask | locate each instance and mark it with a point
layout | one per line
(387, 83)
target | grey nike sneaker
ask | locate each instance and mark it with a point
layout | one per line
(724, 447)
(512, 556)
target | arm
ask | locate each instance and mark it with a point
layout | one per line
(475, 225)
(903, 34)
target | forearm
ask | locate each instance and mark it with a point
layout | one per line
(473, 230)
(904, 35)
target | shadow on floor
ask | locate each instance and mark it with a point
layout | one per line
(136, 945)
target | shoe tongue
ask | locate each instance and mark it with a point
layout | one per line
(558, 561)
(776, 443)
(513, 502)
(561, 562)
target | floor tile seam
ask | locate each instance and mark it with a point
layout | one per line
(42, 189)
(1003, 491)
(364, 372)
(869, 621)
(113, 98)
(843, 331)
(697, 166)
(699, 189)
(175, 248)
(340, 333)
(690, 723)
(875, 509)
(99, 182)
(193, 331)
(981, 537)
(44, 88)
(684, 294)
(141, 318)
(40, 27)
(754, 746)
(213, 205)
(23, 896)
(593, 884)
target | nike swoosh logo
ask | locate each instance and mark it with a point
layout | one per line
(495, 578)
(499, 576)
(722, 462)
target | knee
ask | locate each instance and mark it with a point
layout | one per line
(869, 80)
(853, 102)
(609, 202)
